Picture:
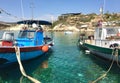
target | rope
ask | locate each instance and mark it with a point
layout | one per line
(9, 14)
(116, 54)
(21, 78)
(102, 76)
(117, 62)
(17, 50)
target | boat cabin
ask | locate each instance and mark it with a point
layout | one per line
(105, 33)
(30, 38)
(25, 38)
(106, 36)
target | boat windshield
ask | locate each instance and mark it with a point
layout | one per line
(26, 34)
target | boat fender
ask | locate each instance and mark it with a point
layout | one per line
(45, 48)
(81, 43)
(87, 52)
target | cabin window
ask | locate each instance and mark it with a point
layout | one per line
(100, 32)
(26, 34)
(112, 31)
(22, 34)
(30, 35)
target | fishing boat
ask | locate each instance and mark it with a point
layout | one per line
(104, 43)
(30, 40)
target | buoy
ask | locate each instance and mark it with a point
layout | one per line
(45, 48)
(81, 43)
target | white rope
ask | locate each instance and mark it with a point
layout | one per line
(21, 78)
(17, 50)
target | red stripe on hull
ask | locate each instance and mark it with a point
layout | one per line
(22, 49)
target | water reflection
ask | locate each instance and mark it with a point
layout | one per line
(100, 67)
(44, 64)
(12, 73)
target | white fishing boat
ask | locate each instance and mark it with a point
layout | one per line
(105, 43)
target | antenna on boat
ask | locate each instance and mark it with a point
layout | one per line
(102, 10)
(32, 6)
(104, 6)
(22, 9)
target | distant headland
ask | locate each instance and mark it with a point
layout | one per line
(77, 21)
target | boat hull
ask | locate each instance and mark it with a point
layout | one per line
(104, 53)
(8, 54)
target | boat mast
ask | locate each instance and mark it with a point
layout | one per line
(102, 10)
(32, 6)
(22, 9)
(101, 13)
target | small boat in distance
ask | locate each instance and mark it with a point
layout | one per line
(105, 43)
(31, 42)
(68, 32)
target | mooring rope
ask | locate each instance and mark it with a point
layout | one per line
(102, 76)
(21, 79)
(118, 62)
(17, 50)
(117, 58)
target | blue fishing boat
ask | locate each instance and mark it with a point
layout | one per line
(31, 42)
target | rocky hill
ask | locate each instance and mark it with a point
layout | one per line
(78, 21)
(86, 21)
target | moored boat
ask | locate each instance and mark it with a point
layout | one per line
(30, 41)
(105, 43)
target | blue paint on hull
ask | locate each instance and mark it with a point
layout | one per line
(11, 57)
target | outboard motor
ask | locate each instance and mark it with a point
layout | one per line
(7, 39)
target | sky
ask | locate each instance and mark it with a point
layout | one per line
(15, 10)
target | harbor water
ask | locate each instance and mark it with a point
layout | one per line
(64, 63)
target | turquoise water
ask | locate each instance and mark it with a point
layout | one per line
(66, 64)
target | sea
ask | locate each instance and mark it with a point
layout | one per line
(65, 62)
